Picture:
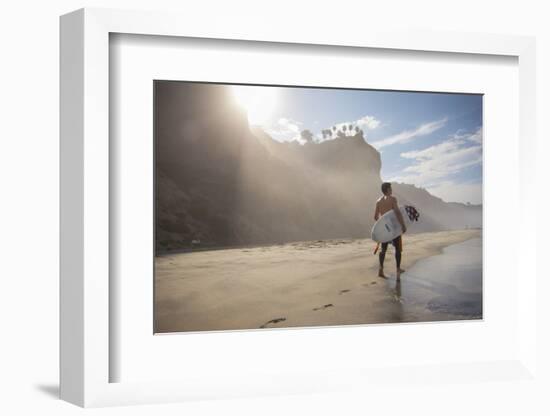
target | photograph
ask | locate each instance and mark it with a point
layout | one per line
(284, 206)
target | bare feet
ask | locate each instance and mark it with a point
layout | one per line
(401, 270)
(381, 274)
(398, 274)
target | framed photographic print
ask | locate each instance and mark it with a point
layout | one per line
(281, 212)
(267, 196)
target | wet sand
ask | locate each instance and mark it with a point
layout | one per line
(303, 284)
(448, 286)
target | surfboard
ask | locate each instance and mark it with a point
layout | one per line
(387, 227)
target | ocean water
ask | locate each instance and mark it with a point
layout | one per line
(448, 286)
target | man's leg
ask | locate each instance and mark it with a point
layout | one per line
(381, 257)
(397, 246)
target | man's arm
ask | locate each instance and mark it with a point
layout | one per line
(376, 212)
(398, 214)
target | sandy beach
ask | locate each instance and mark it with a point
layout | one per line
(303, 284)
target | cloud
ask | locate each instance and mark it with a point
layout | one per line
(408, 135)
(368, 122)
(436, 167)
(439, 162)
(445, 158)
(286, 130)
(475, 137)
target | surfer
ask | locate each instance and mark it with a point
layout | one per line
(386, 203)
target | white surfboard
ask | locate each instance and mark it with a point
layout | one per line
(388, 227)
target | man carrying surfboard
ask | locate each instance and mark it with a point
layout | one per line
(385, 204)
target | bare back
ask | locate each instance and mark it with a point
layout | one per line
(385, 204)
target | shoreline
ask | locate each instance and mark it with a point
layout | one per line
(445, 285)
(441, 249)
(161, 253)
(297, 284)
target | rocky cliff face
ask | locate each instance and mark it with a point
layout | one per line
(222, 183)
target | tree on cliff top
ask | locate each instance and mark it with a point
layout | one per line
(307, 136)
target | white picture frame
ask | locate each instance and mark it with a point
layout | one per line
(85, 355)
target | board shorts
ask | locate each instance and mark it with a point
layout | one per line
(397, 242)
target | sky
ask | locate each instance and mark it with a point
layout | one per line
(431, 140)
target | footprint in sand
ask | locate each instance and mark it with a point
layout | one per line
(344, 291)
(273, 321)
(328, 305)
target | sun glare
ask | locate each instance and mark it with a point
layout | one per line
(259, 102)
